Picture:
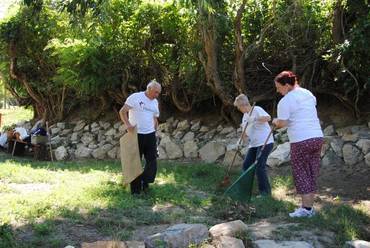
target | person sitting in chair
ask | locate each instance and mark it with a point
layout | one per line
(4, 137)
(39, 128)
(20, 134)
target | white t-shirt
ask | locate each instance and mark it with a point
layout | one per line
(142, 113)
(3, 139)
(257, 132)
(22, 132)
(298, 107)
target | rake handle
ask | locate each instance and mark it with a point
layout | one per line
(264, 144)
(49, 139)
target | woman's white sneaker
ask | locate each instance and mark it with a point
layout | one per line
(302, 212)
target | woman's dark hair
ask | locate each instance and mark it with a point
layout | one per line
(286, 77)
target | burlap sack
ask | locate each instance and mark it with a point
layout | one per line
(130, 157)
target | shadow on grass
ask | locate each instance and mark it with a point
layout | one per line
(189, 187)
(71, 225)
(62, 232)
(7, 236)
(346, 222)
(192, 187)
(119, 220)
(198, 175)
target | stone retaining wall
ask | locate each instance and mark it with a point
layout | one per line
(191, 140)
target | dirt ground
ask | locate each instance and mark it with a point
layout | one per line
(350, 184)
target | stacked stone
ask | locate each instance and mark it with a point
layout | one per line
(347, 146)
(190, 140)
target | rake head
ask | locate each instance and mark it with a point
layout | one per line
(225, 182)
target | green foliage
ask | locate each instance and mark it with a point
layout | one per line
(7, 239)
(127, 38)
(80, 60)
(29, 32)
(108, 49)
(351, 57)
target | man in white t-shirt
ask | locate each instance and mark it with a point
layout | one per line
(141, 110)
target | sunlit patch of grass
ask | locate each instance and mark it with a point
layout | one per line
(285, 182)
(168, 178)
(15, 115)
(71, 189)
(4, 188)
(10, 170)
(363, 207)
(91, 193)
(281, 185)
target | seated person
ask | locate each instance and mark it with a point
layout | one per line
(4, 137)
(20, 133)
(4, 140)
(39, 128)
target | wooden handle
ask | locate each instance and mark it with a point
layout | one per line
(263, 147)
(49, 135)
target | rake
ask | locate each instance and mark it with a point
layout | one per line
(241, 189)
(226, 181)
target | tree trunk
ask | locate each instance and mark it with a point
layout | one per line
(239, 72)
(49, 105)
(14, 74)
(210, 62)
(337, 29)
(184, 104)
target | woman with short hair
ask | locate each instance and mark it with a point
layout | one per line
(257, 132)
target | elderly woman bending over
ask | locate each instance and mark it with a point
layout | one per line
(257, 132)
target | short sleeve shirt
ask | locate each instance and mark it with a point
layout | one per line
(257, 132)
(143, 111)
(298, 107)
(22, 132)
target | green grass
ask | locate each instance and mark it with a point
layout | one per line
(7, 238)
(344, 220)
(47, 200)
(15, 115)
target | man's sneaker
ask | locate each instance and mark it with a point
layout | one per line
(302, 212)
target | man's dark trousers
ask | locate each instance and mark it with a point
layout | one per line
(148, 148)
